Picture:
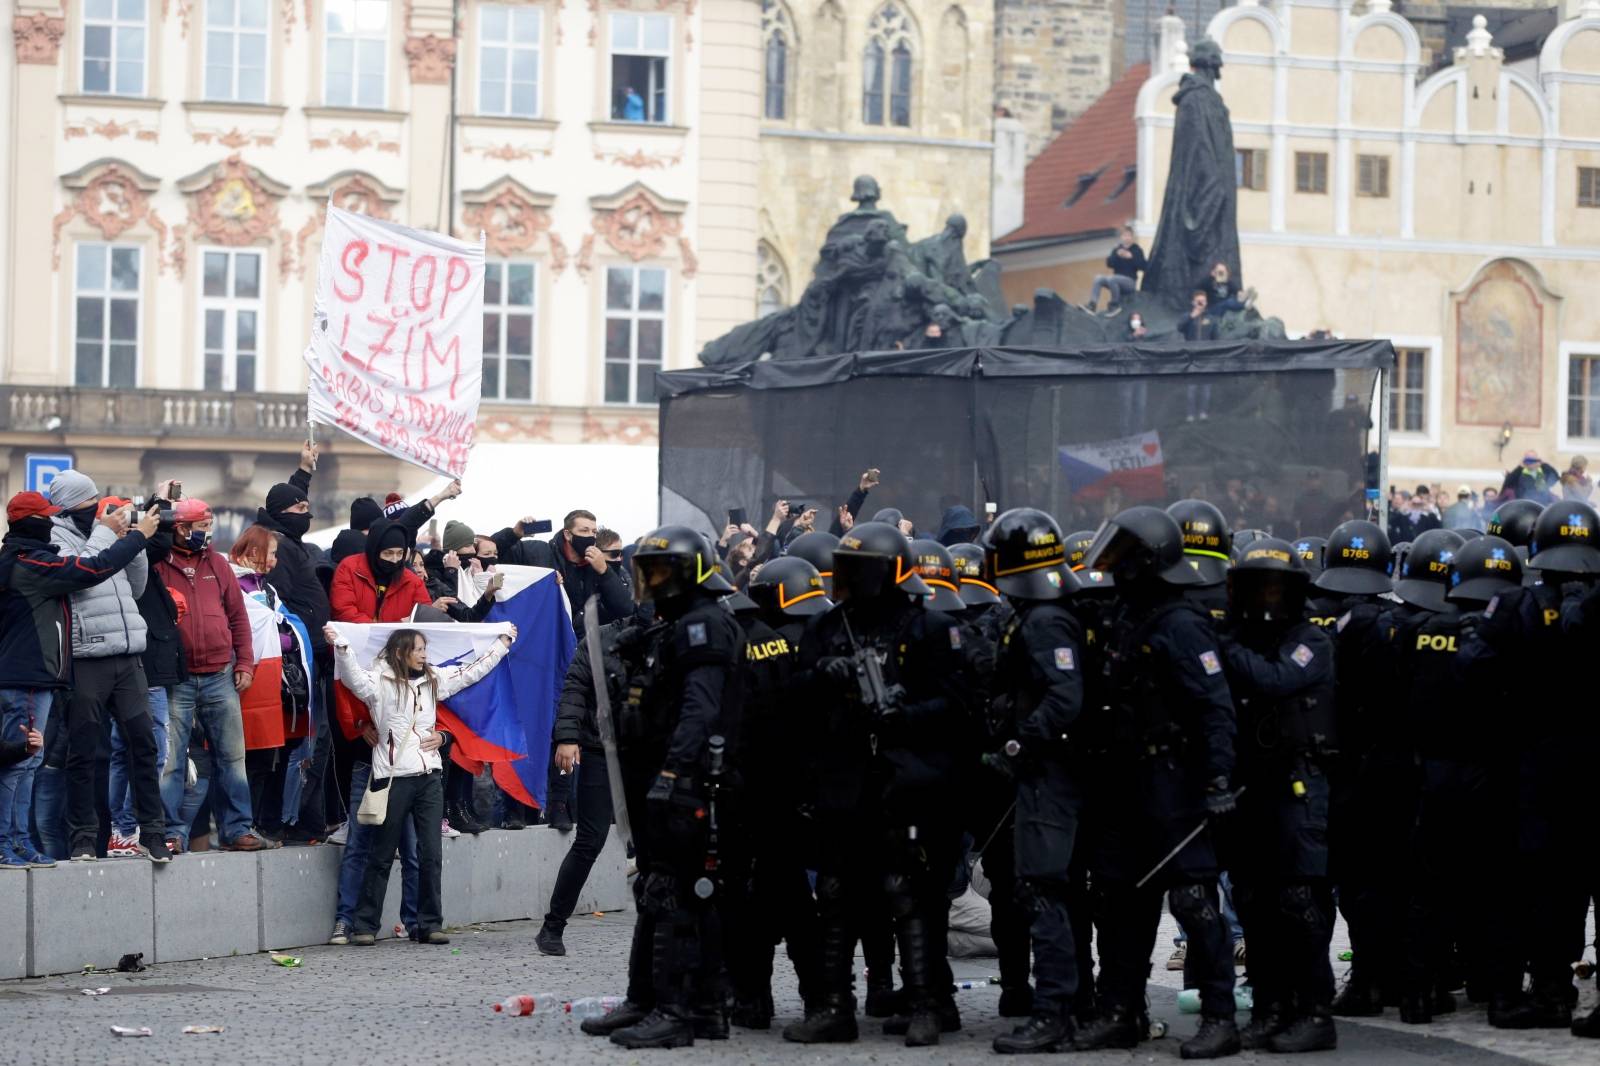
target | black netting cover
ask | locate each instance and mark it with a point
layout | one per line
(1278, 434)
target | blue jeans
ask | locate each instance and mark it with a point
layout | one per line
(20, 709)
(358, 851)
(210, 701)
(122, 816)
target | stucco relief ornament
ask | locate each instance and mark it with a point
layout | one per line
(235, 208)
(431, 59)
(38, 37)
(637, 228)
(112, 203)
(510, 223)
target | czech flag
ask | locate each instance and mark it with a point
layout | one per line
(261, 705)
(1132, 464)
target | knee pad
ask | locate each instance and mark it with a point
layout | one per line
(1192, 902)
(660, 894)
(1034, 896)
(1298, 906)
(898, 891)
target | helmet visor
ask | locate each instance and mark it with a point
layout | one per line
(1266, 597)
(861, 577)
(658, 577)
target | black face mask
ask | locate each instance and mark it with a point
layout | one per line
(296, 525)
(83, 519)
(385, 571)
(34, 527)
(582, 544)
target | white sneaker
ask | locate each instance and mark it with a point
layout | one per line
(340, 835)
(121, 847)
(445, 830)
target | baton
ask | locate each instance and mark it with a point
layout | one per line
(1185, 842)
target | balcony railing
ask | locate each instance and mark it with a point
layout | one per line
(177, 413)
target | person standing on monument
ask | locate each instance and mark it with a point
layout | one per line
(1126, 260)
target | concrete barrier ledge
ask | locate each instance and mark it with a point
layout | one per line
(223, 903)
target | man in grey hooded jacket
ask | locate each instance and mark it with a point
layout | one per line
(108, 639)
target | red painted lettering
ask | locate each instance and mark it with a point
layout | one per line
(395, 255)
(381, 346)
(426, 290)
(354, 254)
(450, 355)
(451, 284)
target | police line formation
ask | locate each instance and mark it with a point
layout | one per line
(1112, 718)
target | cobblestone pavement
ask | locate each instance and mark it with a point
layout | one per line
(402, 1003)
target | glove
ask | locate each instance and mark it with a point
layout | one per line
(1220, 799)
(661, 788)
(836, 670)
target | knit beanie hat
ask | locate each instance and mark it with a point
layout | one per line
(364, 511)
(457, 535)
(72, 488)
(283, 496)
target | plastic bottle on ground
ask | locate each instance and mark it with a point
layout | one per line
(593, 1006)
(521, 1006)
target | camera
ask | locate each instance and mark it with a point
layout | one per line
(165, 523)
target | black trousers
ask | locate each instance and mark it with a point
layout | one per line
(593, 816)
(421, 799)
(1049, 806)
(1373, 812)
(326, 786)
(993, 828)
(107, 690)
(265, 769)
(768, 898)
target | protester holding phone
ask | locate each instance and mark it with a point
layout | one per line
(573, 554)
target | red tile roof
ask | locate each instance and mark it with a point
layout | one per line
(1103, 142)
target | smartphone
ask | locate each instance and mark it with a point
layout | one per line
(991, 508)
(541, 526)
(736, 517)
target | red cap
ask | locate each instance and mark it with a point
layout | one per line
(29, 504)
(191, 509)
(112, 503)
(393, 497)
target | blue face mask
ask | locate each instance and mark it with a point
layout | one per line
(197, 540)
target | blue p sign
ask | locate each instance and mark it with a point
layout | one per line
(42, 469)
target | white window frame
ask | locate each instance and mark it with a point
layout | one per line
(230, 305)
(501, 310)
(612, 51)
(635, 316)
(512, 46)
(1433, 381)
(1565, 353)
(356, 36)
(105, 295)
(236, 31)
(114, 24)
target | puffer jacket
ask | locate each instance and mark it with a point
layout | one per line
(105, 618)
(405, 712)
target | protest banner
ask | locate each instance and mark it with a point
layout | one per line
(1132, 464)
(396, 349)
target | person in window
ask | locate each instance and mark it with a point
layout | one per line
(632, 105)
(1126, 260)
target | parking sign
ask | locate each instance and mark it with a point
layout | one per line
(42, 469)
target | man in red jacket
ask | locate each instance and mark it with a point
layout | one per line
(221, 656)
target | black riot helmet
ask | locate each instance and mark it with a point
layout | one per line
(788, 587)
(1268, 583)
(1028, 556)
(1513, 522)
(1566, 539)
(816, 548)
(1246, 537)
(1078, 545)
(1310, 551)
(874, 559)
(972, 576)
(1142, 543)
(1424, 576)
(1355, 560)
(938, 572)
(673, 562)
(1206, 542)
(1484, 568)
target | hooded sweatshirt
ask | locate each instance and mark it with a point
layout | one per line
(366, 589)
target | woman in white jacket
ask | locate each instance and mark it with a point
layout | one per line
(402, 694)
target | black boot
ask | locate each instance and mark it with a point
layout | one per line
(1016, 1002)
(1538, 1011)
(1416, 1010)
(883, 1001)
(1038, 1034)
(658, 1029)
(1358, 999)
(549, 940)
(1217, 1037)
(949, 1020)
(1114, 1028)
(1309, 1032)
(924, 1026)
(463, 818)
(753, 1012)
(1588, 1026)
(710, 1021)
(627, 1014)
(833, 1021)
(1267, 1020)
(558, 817)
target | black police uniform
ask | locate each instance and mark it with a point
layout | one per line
(1282, 678)
(769, 898)
(689, 690)
(1039, 687)
(882, 797)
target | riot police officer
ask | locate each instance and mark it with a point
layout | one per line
(1281, 673)
(1207, 547)
(772, 900)
(1522, 633)
(1310, 551)
(677, 728)
(1169, 766)
(1038, 693)
(816, 548)
(897, 725)
(1513, 521)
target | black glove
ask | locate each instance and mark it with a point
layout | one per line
(1220, 799)
(836, 670)
(661, 788)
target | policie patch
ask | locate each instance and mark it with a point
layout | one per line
(697, 634)
(1065, 659)
(1302, 656)
(1209, 660)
